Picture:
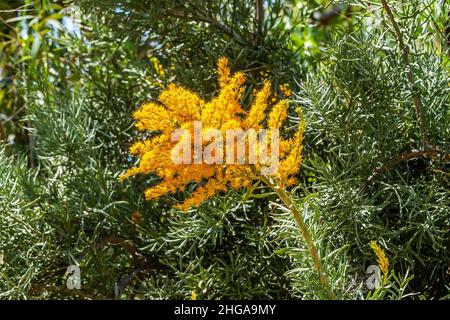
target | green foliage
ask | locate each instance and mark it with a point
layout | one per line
(68, 94)
(361, 116)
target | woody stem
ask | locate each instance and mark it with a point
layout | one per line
(420, 113)
(284, 197)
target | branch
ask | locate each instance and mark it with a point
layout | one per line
(259, 20)
(328, 16)
(405, 55)
(430, 153)
(447, 34)
(211, 20)
(19, 9)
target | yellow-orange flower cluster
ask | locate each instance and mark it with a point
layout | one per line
(179, 107)
(286, 90)
(382, 260)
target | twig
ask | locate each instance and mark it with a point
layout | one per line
(259, 20)
(441, 171)
(205, 18)
(447, 34)
(14, 115)
(19, 9)
(328, 16)
(2, 135)
(405, 55)
(31, 147)
(430, 153)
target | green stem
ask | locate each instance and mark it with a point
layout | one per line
(283, 195)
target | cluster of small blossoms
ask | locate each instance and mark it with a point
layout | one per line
(179, 108)
(382, 260)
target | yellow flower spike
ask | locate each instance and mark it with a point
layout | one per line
(285, 89)
(278, 115)
(382, 260)
(257, 111)
(152, 117)
(182, 104)
(223, 71)
(291, 163)
(157, 66)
